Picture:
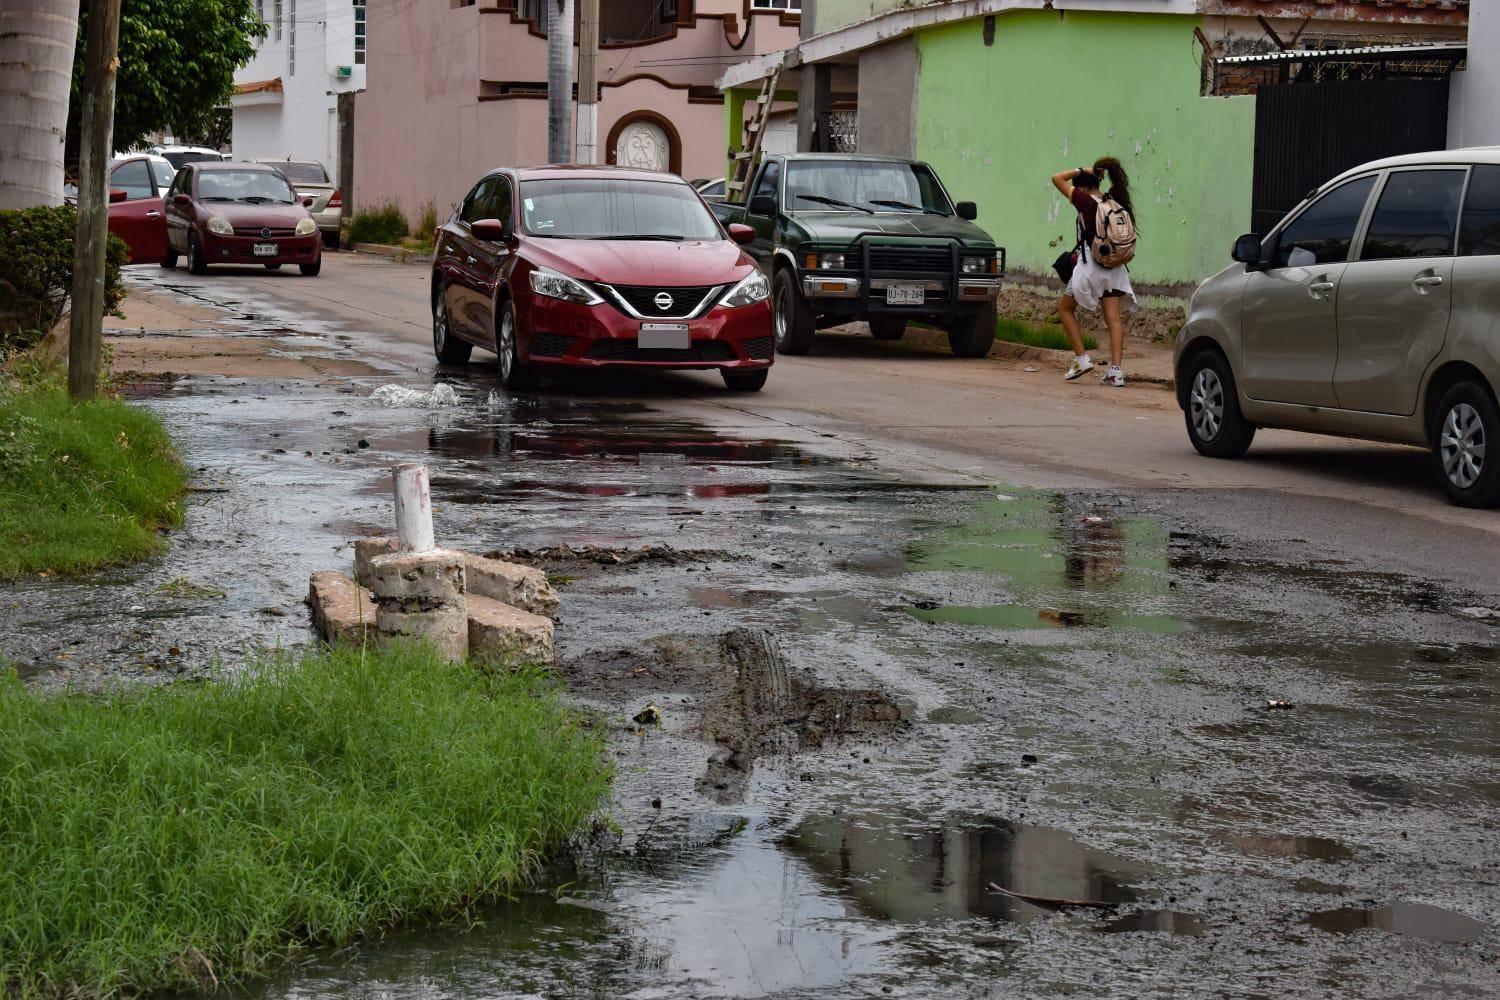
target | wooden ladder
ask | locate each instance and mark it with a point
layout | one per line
(745, 160)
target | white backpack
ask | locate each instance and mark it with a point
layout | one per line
(1114, 242)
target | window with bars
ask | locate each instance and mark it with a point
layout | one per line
(276, 19)
(792, 6)
(291, 37)
(359, 32)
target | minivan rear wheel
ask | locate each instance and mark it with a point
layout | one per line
(1215, 424)
(1467, 422)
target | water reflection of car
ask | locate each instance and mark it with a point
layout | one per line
(318, 193)
(1369, 311)
(577, 267)
(239, 213)
(137, 183)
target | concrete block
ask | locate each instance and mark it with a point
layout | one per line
(523, 587)
(341, 609)
(366, 549)
(500, 630)
(446, 630)
(417, 581)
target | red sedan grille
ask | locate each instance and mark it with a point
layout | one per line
(264, 232)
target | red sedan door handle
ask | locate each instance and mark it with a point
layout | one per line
(153, 215)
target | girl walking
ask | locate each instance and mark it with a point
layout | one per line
(1094, 285)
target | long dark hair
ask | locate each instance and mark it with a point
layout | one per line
(1119, 183)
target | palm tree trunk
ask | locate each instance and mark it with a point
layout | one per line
(36, 73)
(560, 81)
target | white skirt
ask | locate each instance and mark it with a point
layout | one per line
(1090, 282)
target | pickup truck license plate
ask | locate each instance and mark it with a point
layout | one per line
(905, 295)
(664, 337)
(265, 249)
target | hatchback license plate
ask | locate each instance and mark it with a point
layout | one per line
(664, 337)
(266, 249)
(905, 295)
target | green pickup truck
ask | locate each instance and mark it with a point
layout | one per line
(870, 238)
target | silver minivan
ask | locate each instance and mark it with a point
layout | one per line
(1372, 310)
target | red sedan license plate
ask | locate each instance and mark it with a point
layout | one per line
(664, 337)
(265, 249)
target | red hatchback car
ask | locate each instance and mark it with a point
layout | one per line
(578, 267)
(238, 213)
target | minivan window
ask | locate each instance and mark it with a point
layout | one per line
(1323, 233)
(1481, 226)
(1416, 215)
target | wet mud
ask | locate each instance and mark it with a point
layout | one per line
(907, 692)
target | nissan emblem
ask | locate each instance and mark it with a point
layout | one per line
(663, 301)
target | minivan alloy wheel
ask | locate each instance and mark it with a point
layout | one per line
(1463, 446)
(1207, 403)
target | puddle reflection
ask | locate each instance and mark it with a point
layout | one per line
(1418, 920)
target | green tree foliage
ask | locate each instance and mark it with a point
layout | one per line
(177, 64)
(36, 273)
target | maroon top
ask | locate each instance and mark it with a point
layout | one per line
(1088, 207)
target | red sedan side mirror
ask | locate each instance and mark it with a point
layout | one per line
(489, 230)
(182, 201)
(741, 233)
(117, 194)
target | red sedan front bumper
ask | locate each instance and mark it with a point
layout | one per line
(241, 249)
(569, 335)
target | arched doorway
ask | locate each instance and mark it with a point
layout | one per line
(645, 139)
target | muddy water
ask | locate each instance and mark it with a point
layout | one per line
(1068, 697)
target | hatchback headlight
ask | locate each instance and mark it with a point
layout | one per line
(306, 227)
(752, 288)
(220, 225)
(979, 265)
(560, 286)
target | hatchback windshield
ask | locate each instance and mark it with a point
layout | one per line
(304, 173)
(863, 186)
(600, 208)
(244, 185)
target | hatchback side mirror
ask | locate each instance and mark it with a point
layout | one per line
(117, 194)
(1247, 249)
(741, 233)
(182, 201)
(967, 210)
(763, 204)
(490, 230)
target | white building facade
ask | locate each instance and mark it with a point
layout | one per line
(285, 100)
(1474, 97)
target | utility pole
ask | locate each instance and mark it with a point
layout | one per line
(588, 81)
(560, 81)
(101, 66)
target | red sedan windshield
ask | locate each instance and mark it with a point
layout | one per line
(599, 208)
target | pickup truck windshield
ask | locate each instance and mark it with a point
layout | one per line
(863, 186)
(600, 208)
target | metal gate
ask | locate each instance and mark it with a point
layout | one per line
(1306, 133)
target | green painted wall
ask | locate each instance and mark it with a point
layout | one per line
(997, 121)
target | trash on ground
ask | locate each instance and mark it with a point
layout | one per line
(1097, 904)
(648, 716)
(400, 396)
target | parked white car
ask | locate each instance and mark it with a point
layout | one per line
(178, 155)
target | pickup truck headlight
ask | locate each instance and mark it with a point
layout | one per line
(751, 289)
(220, 225)
(980, 265)
(826, 262)
(306, 227)
(560, 286)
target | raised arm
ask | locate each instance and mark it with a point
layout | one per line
(1063, 181)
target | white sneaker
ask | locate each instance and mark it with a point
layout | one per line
(1079, 367)
(1113, 377)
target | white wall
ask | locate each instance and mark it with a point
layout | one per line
(1474, 95)
(302, 125)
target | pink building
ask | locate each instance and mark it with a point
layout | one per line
(457, 87)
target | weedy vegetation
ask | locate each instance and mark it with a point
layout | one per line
(187, 836)
(1046, 335)
(385, 224)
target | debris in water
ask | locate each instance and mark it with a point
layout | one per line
(400, 396)
(1484, 614)
(648, 716)
(1277, 703)
(1058, 902)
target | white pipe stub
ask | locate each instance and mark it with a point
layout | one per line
(413, 509)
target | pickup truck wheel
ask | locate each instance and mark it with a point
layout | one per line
(887, 328)
(791, 318)
(972, 334)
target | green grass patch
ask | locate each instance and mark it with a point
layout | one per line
(386, 224)
(82, 485)
(160, 834)
(1047, 335)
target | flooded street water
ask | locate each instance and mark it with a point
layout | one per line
(917, 739)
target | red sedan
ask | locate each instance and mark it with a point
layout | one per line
(579, 267)
(239, 213)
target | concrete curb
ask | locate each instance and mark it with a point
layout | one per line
(400, 255)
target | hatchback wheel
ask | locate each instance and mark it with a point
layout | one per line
(1215, 424)
(1467, 423)
(196, 263)
(514, 373)
(311, 270)
(273, 267)
(449, 349)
